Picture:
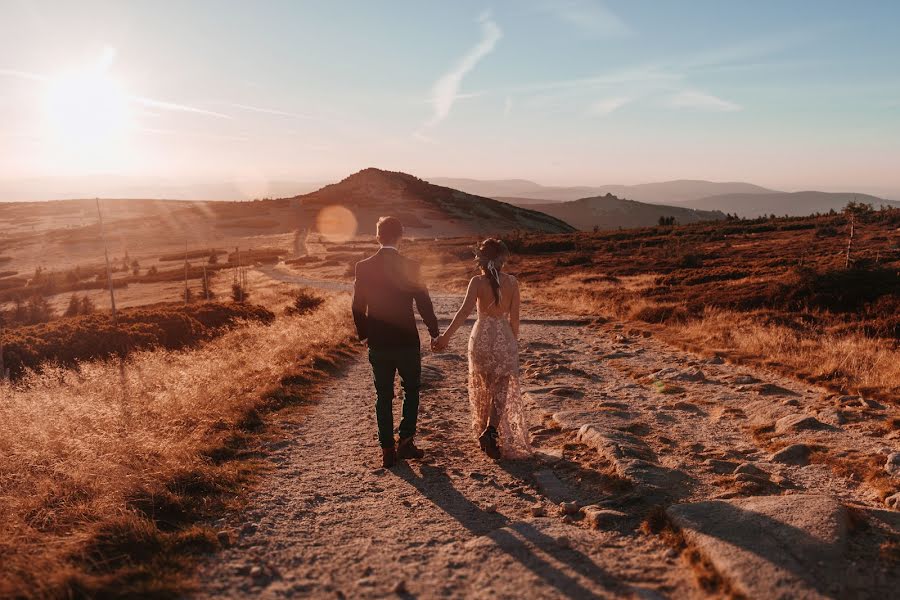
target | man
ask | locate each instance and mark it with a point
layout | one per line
(386, 286)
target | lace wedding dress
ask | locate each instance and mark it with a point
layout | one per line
(494, 391)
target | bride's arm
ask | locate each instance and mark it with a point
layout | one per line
(514, 309)
(464, 311)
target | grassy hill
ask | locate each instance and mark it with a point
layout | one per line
(610, 212)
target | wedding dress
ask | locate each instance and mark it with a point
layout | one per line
(494, 379)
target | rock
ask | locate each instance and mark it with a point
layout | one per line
(849, 401)
(872, 404)
(569, 508)
(893, 501)
(672, 374)
(832, 416)
(798, 422)
(795, 454)
(567, 392)
(490, 508)
(538, 511)
(224, 538)
(400, 588)
(892, 466)
(256, 572)
(564, 541)
(598, 517)
(249, 528)
(762, 480)
(722, 467)
(715, 360)
(771, 546)
(632, 458)
(749, 468)
(550, 485)
(744, 379)
(770, 389)
(791, 402)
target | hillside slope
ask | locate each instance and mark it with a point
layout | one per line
(424, 208)
(610, 212)
(796, 204)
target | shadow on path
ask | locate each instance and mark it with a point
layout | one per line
(514, 538)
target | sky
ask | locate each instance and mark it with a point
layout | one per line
(788, 94)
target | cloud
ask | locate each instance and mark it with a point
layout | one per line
(272, 111)
(445, 91)
(22, 75)
(588, 16)
(162, 105)
(695, 99)
(607, 106)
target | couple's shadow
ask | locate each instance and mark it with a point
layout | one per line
(520, 540)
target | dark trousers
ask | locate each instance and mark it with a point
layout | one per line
(386, 362)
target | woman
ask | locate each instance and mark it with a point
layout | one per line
(494, 394)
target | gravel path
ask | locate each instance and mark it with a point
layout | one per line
(328, 522)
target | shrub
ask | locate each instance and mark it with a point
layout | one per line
(304, 302)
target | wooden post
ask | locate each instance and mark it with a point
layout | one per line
(112, 295)
(3, 374)
(185, 272)
(850, 240)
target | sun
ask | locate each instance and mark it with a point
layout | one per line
(87, 117)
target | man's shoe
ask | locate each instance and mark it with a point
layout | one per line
(407, 449)
(388, 457)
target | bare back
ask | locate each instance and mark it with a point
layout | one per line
(487, 300)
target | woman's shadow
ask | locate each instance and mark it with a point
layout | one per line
(518, 539)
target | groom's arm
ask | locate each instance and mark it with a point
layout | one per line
(360, 306)
(423, 303)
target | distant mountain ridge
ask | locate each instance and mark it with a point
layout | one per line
(610, 212)
(666, 192)
(795, 204)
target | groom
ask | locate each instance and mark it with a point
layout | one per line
(386, 286)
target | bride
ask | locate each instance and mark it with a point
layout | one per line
(494, 394)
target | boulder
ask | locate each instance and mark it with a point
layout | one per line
(771, 546)
(749, 468)
(598, 517)
(798, 422)
(795, 454)
(893, 501)
(892, 466)
(721, 467)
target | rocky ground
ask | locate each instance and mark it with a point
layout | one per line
(657, 474)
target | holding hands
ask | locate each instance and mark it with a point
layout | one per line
(440, 343)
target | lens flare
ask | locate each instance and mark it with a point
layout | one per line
(337, 224)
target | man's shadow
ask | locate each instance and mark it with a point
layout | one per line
(512, 537)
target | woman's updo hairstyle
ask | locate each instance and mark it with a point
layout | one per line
(490, 255)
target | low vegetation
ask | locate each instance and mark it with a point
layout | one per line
(777, 291)
(73, 340)
(106, 470)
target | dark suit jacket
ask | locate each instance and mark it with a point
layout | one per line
(386, 286)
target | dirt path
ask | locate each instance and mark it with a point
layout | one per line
(327, 521)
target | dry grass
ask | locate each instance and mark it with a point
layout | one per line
(845, 362)
(104, 470)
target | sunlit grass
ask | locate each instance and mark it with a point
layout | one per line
(81, 451)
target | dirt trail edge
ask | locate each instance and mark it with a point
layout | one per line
(617, 434)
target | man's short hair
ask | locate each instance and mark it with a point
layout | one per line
(389, 229)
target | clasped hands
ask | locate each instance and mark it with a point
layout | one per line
(439, 343)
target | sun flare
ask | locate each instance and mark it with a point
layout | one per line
(87, 117)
